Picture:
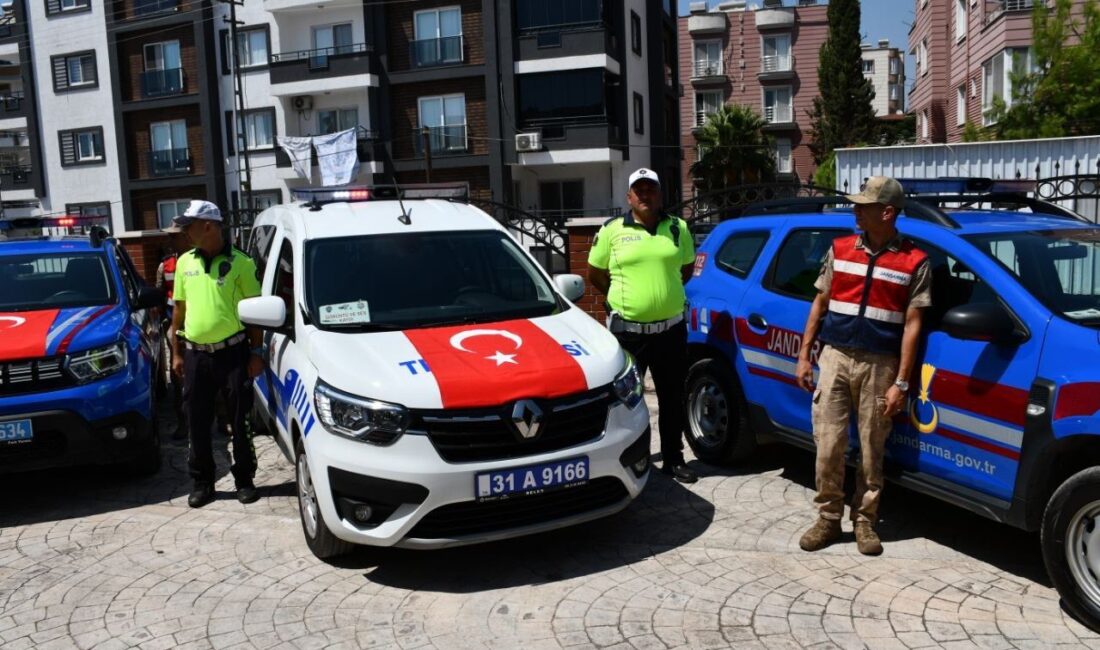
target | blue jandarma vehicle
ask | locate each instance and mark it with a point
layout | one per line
(1004, 413)
(79, 352)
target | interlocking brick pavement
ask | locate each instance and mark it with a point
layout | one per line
(91, 560)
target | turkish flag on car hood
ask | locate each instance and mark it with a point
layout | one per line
(494, 363)
(23, 334)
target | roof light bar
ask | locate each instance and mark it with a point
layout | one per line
(356, 194)
(965, 185)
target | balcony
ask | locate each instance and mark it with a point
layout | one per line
(779, 118)
(344, 67)
(143, 8)
(159, 83)
(554, 41)
(586, 139)
(16, 177)
(290, 5)
(13, 104)
(776, 67)
(706, 72)
(431, 52)
(170, 162)
(443, 140)
(710, 23)
(782, 18)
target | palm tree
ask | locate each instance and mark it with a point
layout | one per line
(734, 149)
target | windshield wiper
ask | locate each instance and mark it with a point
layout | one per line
(361, 327)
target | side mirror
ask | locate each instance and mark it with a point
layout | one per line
(148, 298)
(983, 321)
(570, 285)
(268, 312)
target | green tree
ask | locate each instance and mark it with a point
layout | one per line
(1060, 94)
(842, 114)
(734, 149)
(825, 174)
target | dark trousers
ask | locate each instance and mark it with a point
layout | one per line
(665, 355)
(204, 375)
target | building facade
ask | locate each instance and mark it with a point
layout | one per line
(539, 104)
(765, 58)
(884, 67)
(965, 52)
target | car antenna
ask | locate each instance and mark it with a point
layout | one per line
(406, 216)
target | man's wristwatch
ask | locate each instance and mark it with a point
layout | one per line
(902, 385)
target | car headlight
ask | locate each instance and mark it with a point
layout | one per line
(628, 385)
(358, 418)
(97, 362)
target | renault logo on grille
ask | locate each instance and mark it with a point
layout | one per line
(527, 418)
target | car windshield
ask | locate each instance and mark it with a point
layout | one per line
(405, 281)
(1061, 268)
(54, 280)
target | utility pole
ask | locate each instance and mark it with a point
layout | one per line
(244, 171)
(426, 139)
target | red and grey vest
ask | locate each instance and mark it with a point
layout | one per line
(869, 295)
(169, 277)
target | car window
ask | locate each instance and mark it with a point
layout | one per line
(284, 281)
(54, 281)
(798, 262)
(953, 284)
(259, 247)
(129, 281)
(739, 252)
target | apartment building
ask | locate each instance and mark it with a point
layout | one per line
(965, 51)
(765, 58)
(543, 104)
(884, 66)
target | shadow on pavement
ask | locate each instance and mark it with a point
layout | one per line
(666, 515)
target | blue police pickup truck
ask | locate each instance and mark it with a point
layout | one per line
(1003, 418)
(79, 353)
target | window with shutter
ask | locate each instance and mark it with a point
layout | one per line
(54, 7)
(81, 147)
(73, 71)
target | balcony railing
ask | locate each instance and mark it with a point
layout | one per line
(318, 58)
(563, 215)
(150, 7)
(777, 114)
(157, 83)
(701, 117)
(437, 51)
(1016, 5)
(776, 63)
(443, 140)
(706, 69)
(12, 102)
(170, 162)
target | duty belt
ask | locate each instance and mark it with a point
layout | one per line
(214, 347)
(617, 325)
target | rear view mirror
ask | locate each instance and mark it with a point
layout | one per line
(570, 285)
(268, 312)
(983, 321)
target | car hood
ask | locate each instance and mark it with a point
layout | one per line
(50, 332)
(469, 366)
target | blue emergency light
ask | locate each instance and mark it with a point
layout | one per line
(359, 193)
(965, 185)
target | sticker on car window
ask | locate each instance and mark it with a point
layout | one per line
(1082, 314)
(345, 312)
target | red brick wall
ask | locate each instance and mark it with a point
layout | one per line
(124, 9)
(131, 59)
(139, 140)
(477, 177)
(145, 251)
(143, 203)
(580, 243)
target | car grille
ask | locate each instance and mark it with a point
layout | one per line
(466, 435)
(33, 375)
(471, 517)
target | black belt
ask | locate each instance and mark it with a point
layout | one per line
(214, 347)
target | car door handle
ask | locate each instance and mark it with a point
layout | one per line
(756, 321)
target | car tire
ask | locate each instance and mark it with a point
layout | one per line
(1071, 544)
(717, 416)
(319, 538)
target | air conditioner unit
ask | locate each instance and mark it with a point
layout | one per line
(302, 102)
(528, 141)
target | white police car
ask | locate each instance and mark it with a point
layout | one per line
(430, 381)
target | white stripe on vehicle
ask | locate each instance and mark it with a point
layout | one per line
(1005, 435)
(58, 331)
(772, 362)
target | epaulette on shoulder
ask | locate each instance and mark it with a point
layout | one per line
(612, 219)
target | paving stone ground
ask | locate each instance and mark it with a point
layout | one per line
(90, 560)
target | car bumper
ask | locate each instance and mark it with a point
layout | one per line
(421, 501)
(75, 425)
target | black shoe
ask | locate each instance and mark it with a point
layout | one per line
(247, 494)
(680, 471)
(200, 496)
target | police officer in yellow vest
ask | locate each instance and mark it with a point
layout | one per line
(641, 261)
(212, 350)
